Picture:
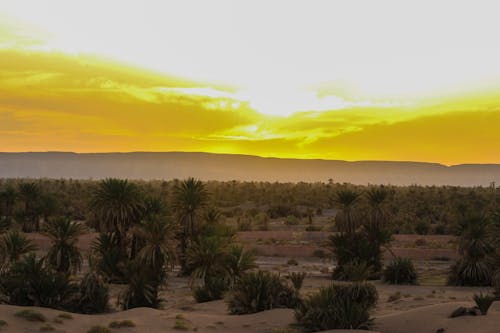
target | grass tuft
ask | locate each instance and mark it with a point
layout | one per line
(31, 315)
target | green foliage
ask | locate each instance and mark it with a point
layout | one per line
(356, 270)
(291, 220)
(99, 329)
(259, 291)
(47, 328)
(337, 307)
(122, 323)
(470, 272)
(483, 302)
(94, 294)
(31, 282)
(238, 261)
(65, 316)
(110, 257)
(142, 288)
(422, 227)
(297, 279)
(13, 245)
(64, 255)
(213, 289)
(400, 271)
(31, 315)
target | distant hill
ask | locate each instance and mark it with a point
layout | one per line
(170, 165)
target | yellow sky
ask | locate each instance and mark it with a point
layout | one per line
(354, 80)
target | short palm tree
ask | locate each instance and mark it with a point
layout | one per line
(7, 201)
(30, 195)
(13, 245)
(189, 197)
(117, 205)
(238, 261)
(207, 255)
(158, 237)
(346, 198)
(64, 255)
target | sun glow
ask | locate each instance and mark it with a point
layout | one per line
(280, 78)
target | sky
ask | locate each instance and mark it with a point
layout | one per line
(350, 80)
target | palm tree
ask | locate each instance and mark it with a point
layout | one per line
(238, 261)
(64, 254)
(117, 205)
(7, 201)
(377, 196)
(207, 255)
(13, 246)
(30, 195)
(346, 198)
(157, 235)
(189, 197)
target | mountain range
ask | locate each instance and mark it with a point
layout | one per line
(225, 167)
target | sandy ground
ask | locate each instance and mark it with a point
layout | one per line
(212, 317)
(410, 309)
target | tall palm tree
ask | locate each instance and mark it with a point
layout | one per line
(346, 198)
(30, 195)
(7, 201)
(117, 205)
(64, 255)
(13, 246)
(190, 196)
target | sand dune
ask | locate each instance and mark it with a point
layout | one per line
(212, 317)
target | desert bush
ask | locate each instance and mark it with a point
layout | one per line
(213, 289)
(121, 323)
(337, 307)
(496, 283)
(31, 315)
(483, 302)
(47, 328)
(94, 294)
(292, 262)
(259, 291)
(400, 271)
(291, 220)
(470, 272)
(422, 227)
(297, 279)
(99, 329)
(31, 282)
(357, 246)
(356, 270)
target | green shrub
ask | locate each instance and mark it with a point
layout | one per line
(122, 323)
(94, 294)
(297, 279)
(31, 282)
(483, 302)
(2, 323)
(400, 271)
(47, 328)
(356, 270)
(99, 329)
(65, 316)
(470, 272)
(180, 325)
(31, 315)
(338, 307)
(291, 220)
(214, 289)
(422, 227)
(496, 283)
(259, 291)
